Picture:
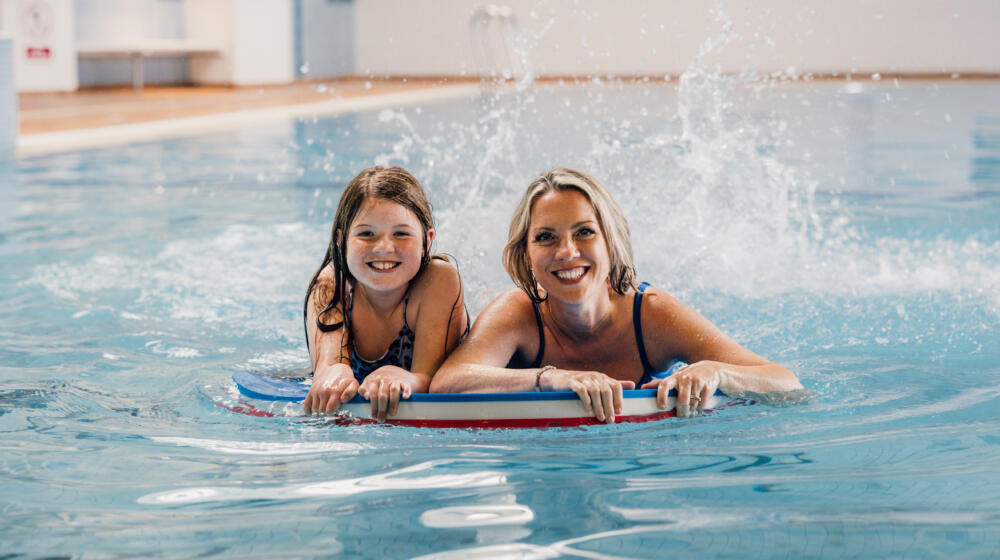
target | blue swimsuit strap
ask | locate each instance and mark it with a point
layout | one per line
(648, 370)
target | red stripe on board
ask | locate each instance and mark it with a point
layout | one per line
(500, 423)
(248, 409)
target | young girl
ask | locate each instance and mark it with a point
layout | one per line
(381, 314)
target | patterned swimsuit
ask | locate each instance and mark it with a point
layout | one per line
(400, 352)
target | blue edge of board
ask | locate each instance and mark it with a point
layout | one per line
(263, 387)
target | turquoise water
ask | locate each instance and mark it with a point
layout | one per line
(850, 231)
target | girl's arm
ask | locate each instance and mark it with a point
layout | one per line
(478, 364)
(333, 380)
(673, 330)
(438, 326)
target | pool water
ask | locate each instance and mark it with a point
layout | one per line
(848, 230)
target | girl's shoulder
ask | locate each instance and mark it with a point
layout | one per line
(440, 274)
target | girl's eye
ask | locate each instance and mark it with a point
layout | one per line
(363, 233)
(402, 234)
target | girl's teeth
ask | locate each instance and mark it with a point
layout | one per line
(571, 274)
(382, 265)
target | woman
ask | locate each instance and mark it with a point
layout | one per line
(578, 321)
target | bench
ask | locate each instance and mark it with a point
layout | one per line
(147, 48)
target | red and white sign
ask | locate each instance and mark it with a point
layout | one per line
(39, 52)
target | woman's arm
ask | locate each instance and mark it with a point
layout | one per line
(478, 364)
(504, 327)
(439, 324)
(333, 380)
(717, 361)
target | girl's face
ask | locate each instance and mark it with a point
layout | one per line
(385, 245)
(566, 247)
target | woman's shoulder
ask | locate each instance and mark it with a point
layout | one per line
(659, 306)
(512, 308)
(667, 321)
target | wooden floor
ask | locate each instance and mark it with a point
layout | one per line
(93, 108)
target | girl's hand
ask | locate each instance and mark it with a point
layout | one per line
(331, 386)
(695, 385)
(601, 395)
(384, 387)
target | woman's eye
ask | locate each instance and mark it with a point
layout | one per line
(585, 232)
(543, 237)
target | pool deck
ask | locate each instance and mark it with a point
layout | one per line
(100, 117)
(54, 122)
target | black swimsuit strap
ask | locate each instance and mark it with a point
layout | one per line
(541, 336)
(637, 326)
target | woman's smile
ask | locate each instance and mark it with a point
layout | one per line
(571, 275)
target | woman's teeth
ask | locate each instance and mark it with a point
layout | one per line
(571, 273)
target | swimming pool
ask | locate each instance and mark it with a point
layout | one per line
(848, 230)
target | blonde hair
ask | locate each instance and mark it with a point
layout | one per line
(614, 227)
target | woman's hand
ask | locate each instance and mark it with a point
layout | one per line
(601, 395)
(384, 387)
(332, 385)
(695, 385)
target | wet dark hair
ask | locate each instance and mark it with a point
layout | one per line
(393, 184)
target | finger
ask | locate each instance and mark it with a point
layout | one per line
(373, 398)
(307, 403)
(394, 399)
(650, 384)
(663, 391)
(706, 393)
(607, 399)
(333, 402)
(581, 392)
(595, 400)
(683, 396)
(383, 399)
(617, 397)
(349, 392)
(627, 384)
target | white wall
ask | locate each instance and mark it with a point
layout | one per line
(256, 35)
(44, 52)
(655, 37)
(8, 98)
(327, 38)
(125, 20)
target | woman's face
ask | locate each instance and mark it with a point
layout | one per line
(566, 247)
(385, 245)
